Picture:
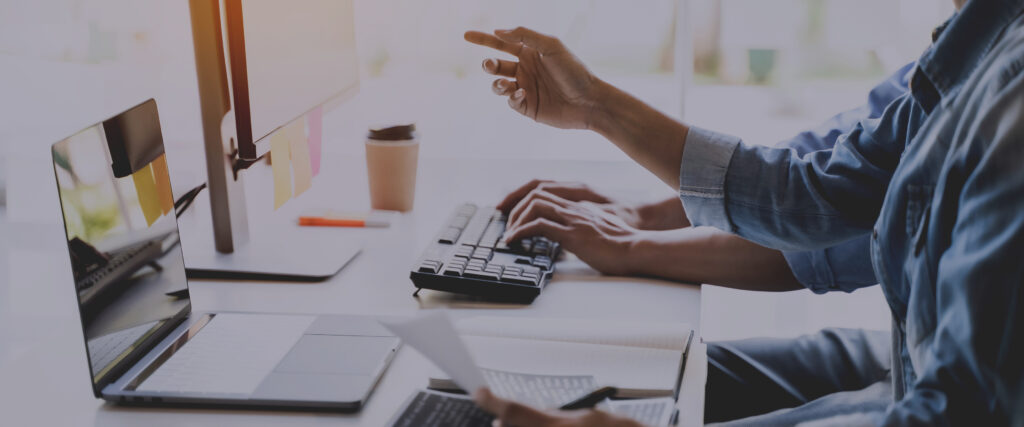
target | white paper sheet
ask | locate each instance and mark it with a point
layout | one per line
(433, 335)
(663, 335)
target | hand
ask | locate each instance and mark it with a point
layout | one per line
(574, 192)
(550, 84)
(600, 239)
(514, 414)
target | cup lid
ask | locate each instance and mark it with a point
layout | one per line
(393, 133)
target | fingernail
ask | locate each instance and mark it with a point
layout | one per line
(489, 64)
(502, 84)
(519, 93)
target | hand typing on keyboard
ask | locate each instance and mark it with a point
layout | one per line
(470, 257)
(597, 237)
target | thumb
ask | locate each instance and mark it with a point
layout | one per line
(542, 42)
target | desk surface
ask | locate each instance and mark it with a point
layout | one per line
(42, 360)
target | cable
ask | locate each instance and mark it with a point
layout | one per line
(186, 200)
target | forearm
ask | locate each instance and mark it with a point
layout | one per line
(667, 214)
(649, 137)
(706, 255)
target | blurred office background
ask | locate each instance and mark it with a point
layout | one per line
(761, 69)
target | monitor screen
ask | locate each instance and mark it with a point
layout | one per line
(129, 274)
(286, 59)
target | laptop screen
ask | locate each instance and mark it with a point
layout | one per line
(129, 274)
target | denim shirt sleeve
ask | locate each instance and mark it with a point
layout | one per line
(846, 266)
(778, 199)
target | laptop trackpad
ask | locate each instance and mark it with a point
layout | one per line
(328, 368)
(333, 354)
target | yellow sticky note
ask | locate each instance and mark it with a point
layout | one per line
(281, 161)
(296, 134)
(145, 188)
(163, 183)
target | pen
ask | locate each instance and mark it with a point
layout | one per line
(591, 399)
(331, 222)
(335, 219)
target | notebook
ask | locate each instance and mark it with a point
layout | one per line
(641, 359)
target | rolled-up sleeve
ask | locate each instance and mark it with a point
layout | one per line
(844, 267)
(705, 163)
(778, 199)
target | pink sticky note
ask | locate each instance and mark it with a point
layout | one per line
(316, 130)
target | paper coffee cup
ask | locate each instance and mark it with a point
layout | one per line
(391, 158)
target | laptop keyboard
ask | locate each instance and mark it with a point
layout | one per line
(468, 257)
(230, 355)
(107, 348)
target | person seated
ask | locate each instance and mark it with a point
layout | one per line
(931, 183)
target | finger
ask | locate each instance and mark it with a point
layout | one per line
(500, 67)
(514, 197)
(540, 227)
(489, 40)
(573, 191)
(518, 101)
(542, 42)
(539, 208)
(534, 194)
(504, 87)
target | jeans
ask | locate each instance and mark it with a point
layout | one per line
(771, 381)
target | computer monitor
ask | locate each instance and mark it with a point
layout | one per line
(262, 66)
(286, 58)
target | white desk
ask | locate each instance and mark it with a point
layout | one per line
(43, 372)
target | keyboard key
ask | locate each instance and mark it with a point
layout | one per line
(513, 269)
(482, 253)
(452, 270)
(449, 236)
(493, 268)
(467, 209)
(524, 260)
(429, 267)
(459, 222)
(486, 275)
(515, 278)
(529, 270)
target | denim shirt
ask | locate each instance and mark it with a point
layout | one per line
(938, 181)
(846, 266)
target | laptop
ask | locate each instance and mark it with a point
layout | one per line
(144, 343)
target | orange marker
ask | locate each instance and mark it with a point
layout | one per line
(331, 222)
(333, 219)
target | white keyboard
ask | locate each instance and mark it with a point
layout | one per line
(230, 355)
(107, 348)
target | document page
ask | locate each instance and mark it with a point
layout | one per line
(541, 391)
(636, 371)
(433, 335)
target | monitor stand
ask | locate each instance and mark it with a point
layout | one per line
(281, 252)
(292, 254)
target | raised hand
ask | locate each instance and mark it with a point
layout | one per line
(548, 83)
